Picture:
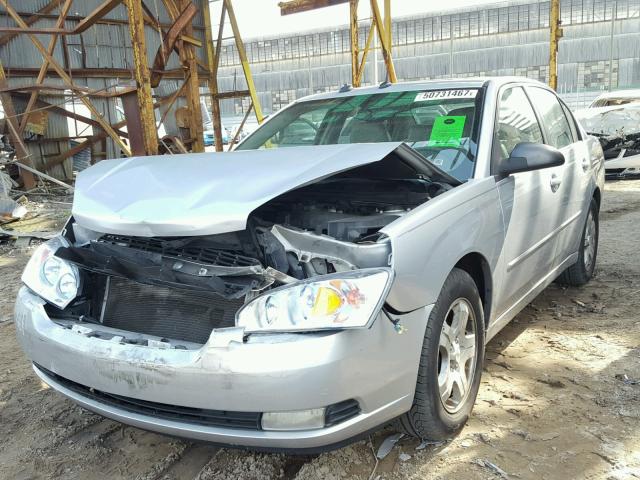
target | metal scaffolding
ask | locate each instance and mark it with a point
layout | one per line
(179, 31)
(378, 24)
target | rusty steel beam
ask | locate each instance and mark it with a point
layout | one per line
(87, 92)
(78, 18)
(22, 153)
(233, 94)
(169, 42)
(192, 90)
(99, 12)
(66, 79)
(69, 114)
(36, 30)
(170, 101)
(143, 93)
(172, 74)
(43, 69)
(48, 8)
(135, 125)
(52, 162)
(297, 6)
(83, 25)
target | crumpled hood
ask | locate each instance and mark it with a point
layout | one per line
(204, 193)
(616, 120)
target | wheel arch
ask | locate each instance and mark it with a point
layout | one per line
(597, 196)
(477, 266)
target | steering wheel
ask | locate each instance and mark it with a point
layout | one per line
(462, 153)
(308, 122)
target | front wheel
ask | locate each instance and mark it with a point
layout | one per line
(581, 272)
(451, 362)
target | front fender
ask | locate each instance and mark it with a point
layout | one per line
(429, 241)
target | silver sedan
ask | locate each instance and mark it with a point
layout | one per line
(343, 268)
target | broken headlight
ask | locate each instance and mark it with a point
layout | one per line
(54, 279)
(345, 300)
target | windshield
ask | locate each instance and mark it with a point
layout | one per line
(440, 124)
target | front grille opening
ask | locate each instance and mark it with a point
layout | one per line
(196, 416)
(178, 314)
(181, 248)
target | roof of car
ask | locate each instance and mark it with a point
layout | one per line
(631, 93)
(473, 82)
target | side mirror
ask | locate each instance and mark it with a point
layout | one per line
(527, 156)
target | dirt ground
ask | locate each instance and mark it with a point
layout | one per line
(560, 398)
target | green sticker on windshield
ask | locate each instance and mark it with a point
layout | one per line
(447, 131)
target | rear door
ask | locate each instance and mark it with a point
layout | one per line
(565, 194)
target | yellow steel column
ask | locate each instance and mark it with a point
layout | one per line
(143, 77)
(384, 37)
(387, 21)
(213, 58)
(365, 52)
(244, 61)
(353, 26)
(556, 34)
(193, 90)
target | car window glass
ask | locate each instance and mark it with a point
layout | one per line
(440, 124)
(554, 120)
(516, 122)
(301, 131)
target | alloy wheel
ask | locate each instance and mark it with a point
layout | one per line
(589, 246)
(457, 354)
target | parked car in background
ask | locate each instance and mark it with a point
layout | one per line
(614, 118)
(616, 98)
(344, 267)
(210, 138)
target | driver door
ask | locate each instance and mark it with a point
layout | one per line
(529, 245)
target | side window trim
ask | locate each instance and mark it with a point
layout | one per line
(543, 126)
(575, 131)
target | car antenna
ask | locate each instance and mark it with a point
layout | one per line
(345, 88)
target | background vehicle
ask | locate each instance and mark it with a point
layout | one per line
(356, 252)
(614, 118)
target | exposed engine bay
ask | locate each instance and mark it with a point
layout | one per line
(332, 225)
(619, 146)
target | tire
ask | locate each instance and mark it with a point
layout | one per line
(430, 417)
(581, 272)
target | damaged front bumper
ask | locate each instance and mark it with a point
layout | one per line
(375, 367)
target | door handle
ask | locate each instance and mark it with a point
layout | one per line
(586, 164)
(555, 182)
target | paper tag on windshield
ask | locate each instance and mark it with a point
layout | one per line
(442, 94)
(447, 131)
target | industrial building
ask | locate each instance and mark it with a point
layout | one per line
(507, 38)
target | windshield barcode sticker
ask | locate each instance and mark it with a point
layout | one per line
(440, 94)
